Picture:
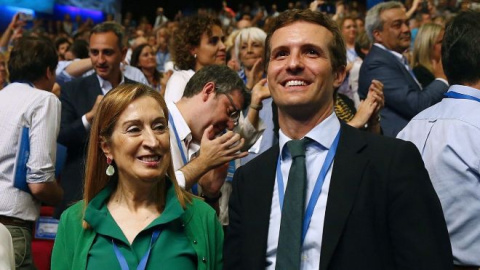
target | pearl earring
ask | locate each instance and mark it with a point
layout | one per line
(110, 169)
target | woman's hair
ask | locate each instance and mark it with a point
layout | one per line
(423, 46)
(253, 33)
(108, 113)
(187, 37)
(135, 61)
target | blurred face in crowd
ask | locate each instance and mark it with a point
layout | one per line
(140, 142)
(300, 74)
(250, 51)
(349, 31)
(395, 34)
(106, 55)
(147, 58)
(62, 49)
(211, 50)
(437, 47)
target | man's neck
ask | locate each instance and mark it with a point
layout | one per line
(184, 106)
(296, 126)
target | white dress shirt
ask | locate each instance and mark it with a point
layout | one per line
(24, 106)
(323, 134)
(188, 146)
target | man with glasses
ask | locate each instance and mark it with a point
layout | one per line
(201, 137)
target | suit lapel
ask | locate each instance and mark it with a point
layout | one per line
(260, 199)
(346, 178)
(392, 59)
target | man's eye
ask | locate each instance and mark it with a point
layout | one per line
(94, 53)
(312, 52)
(280, 54)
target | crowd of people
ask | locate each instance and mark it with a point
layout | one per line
(246, 139)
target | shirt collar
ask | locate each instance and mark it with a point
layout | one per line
(183, 131)
(397, 55)
(323, 134)
(466, 90)
(106, 85)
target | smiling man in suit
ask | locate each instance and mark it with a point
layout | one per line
(329, 196)
(80, 99)
(387, 27)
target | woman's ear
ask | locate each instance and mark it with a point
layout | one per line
(105, 146)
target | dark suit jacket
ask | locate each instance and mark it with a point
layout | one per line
(382, 211)
(403, 97)
(77, 97)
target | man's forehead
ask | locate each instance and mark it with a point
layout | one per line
(106, 38)
(295, 33)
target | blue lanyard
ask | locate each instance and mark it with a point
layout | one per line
(317, 188)
(143, 263)
(180, 147)
(456, 95)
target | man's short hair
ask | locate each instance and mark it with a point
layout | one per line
(336, 47)
(373, 21)
(225, 79)
(30, 58)
(113, 27)
(461, 49)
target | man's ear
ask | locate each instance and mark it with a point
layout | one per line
(208, 91)
(339, 76)
(124, 52)
(49, 74)
(377, 36)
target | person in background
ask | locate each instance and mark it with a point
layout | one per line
(3, 71)
(349, 32)
(143, 58)
(447, 135)
(249, 47)
(80, 99)
(427, 52)
(163, 54)
(198, 42)
(28, 103)
(133, 212)
(62, 45)
(387, 27)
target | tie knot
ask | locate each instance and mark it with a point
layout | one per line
(297, 147)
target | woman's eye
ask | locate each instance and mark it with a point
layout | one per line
(160, 127)
(214, 40)
(133, 129)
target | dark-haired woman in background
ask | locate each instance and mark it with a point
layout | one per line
(143, 58)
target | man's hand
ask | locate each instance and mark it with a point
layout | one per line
(91, 114)
(212, 181)
(254, 75)
(213, 153)
(220, 150)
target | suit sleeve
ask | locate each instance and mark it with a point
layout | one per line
(418, 231)
(72, 132)
(402, 94)
(233, 239)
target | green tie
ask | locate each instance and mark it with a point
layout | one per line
(290, 239)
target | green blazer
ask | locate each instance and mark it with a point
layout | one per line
(73, 242)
